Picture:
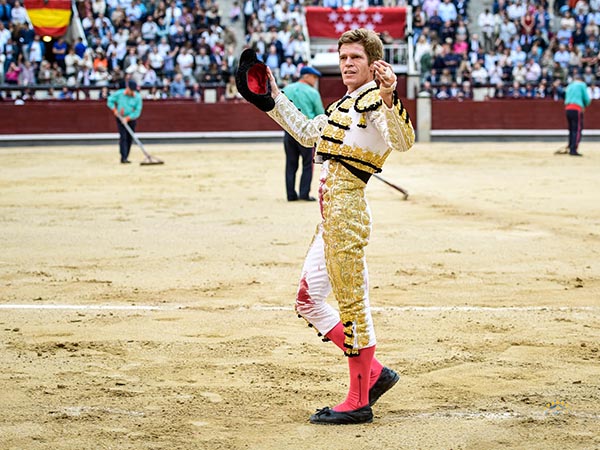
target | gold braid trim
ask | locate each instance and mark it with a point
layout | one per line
(370, 100)
(333, 148)
(346, 230)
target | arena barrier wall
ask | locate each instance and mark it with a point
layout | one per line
(90, 120)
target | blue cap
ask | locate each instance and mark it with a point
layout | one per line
(309, 70)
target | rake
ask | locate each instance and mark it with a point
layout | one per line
(149, 160)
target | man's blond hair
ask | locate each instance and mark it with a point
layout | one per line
(367, 38)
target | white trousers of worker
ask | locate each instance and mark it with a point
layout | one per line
(315, 287)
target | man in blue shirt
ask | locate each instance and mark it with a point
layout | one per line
(126, 104)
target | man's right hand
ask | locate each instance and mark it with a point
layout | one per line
(274, 88)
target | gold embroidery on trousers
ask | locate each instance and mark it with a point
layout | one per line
(346, 230)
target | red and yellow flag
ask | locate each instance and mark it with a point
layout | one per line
(49, 17)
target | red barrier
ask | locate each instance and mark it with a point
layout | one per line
(505, 115)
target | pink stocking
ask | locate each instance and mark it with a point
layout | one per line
(360, 368)
(336, 335)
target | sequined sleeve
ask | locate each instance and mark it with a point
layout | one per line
(305, 131)
(394, 125)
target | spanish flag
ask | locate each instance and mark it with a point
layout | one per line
(49, 17)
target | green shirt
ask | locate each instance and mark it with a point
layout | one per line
(127, 105)
(577, 93)
(306, 98)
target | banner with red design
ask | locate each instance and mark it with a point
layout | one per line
(49, 17)
(331, 23)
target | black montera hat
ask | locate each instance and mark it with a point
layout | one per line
(252, 81)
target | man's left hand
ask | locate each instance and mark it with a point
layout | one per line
(384, 74)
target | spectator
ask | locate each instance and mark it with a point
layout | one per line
(486, 27)
(36, 51)
(231, 91)
(185, 62)
(5, 13)
(156, 60)
(562, 56)
(288, 70)
(27, 74)
(479, 75)
(59, 50)
(447, 11)
(178, 87)
(80, 47)
(149, 30)
(72, 62)
(18, 14)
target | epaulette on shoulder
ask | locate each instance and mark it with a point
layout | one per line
(330, 108)
(369, 100)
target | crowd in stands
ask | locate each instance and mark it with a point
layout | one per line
(170, 48)
(175, 48)
(516, 49)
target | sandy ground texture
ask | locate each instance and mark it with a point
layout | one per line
(151, 307)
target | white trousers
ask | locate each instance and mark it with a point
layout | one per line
(335, 261)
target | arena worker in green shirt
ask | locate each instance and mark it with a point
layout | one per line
(305, 96)
(126, 105)
(577, 99)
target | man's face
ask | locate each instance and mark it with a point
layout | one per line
(354, 66)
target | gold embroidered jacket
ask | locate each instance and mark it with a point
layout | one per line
(359, 129)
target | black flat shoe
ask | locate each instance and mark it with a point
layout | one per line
(308, 199)
(387, 379)
(575, 154)
(328, 416)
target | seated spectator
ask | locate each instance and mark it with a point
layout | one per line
(272, 60)
(435, 23)
(45, 72)
(12, 74)
(100, 76)
(529, 90)
(18, 14)
(518, 55)
(562, 56)
(564, 35)
(443, 93)
(150, 78)
(479, 75)
(533, 71)
(213, 75)
(178, 87)
(499, 91)
(541, 89)
(515, 91)
(231, 92)
(495, 75)
(27, 74)
(288, 70)
(556, 90)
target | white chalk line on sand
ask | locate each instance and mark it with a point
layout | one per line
(499, 309)
(92, 307)
(491, 415)
(262, 307)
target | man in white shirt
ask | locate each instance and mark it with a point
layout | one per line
(486, 25)
(185, 60)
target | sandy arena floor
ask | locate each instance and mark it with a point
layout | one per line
(151, 307)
